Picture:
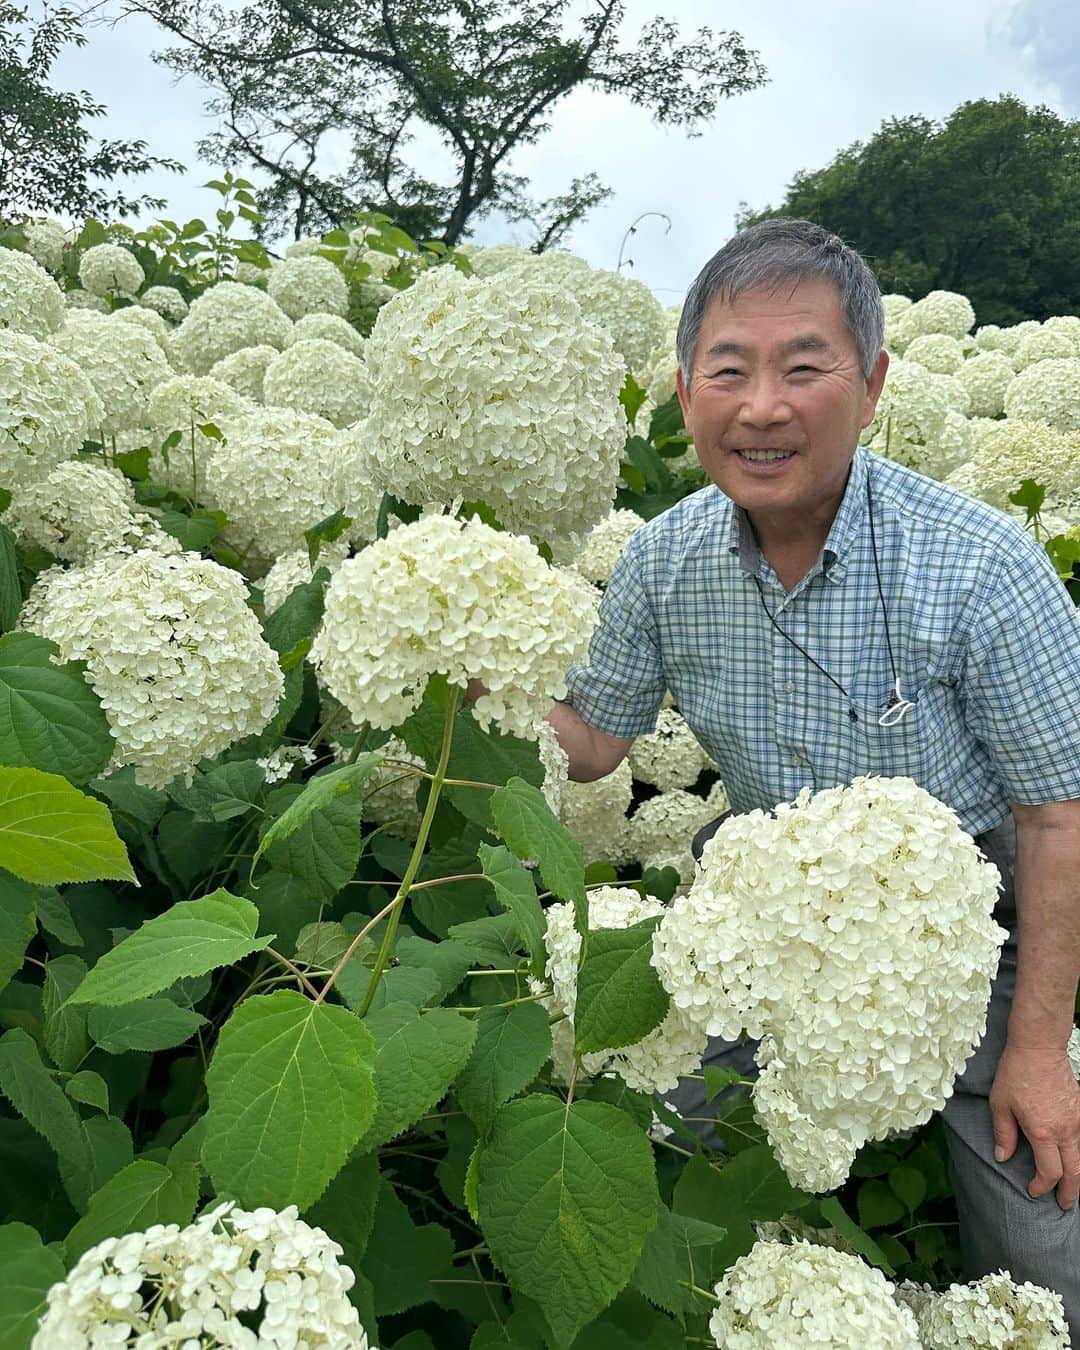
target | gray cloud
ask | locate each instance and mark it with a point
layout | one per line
(1046, 33)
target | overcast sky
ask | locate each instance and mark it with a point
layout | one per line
(836, 71)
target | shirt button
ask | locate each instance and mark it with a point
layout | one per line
(796, 760)
(789, 688)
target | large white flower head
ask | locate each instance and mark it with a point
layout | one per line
(937, 352)
(442, 596)
(986, 376)
(596, 815)
(227, 317)
(304, 248)
(184, 404)
(76, 512)
(671, 756)
(46, 241)
(852, 928)
(662, 828)
(166, 301)
(945, 312)
(604, 543)
(1043, 345)
(329, 327)
(894, 305)
(308, 285)
(657, 375)
(796, 1294)
(1010, 338)
(910, 422)
(172, 650)
(234, 1277)
(47, 408)
(123, 362)
(1049, 390)
(85, 300)
(498, 392)
(110, 269)
(486, 262)
(1010, 450)
(150, 321)
(991, 1312)
(245, 370)
(30, 300)
(320, 377)
(1069, 324)
(669, 1051)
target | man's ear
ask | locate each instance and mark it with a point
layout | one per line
(874, 385)
(684, 395)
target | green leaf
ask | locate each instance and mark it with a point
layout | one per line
(135, 464)
(89, 1088)
(757, 1187)
(494, 941)
(567, 1196)
(146, 1024)
(111, 1149)
(322, 851)
(17, 908)
(34, 1093)
(194, 531)
(297, 618)
(631, 396)
(346, 1209)
(417, 1058)
(54, 915)
(516, 892)
(834, 1214)
(142, 805)
(648, 463)
(512, 1045)
(700, 1193)
(315, 796)
(191, 938)
(877, 1205)
(30, 1270)
(50, 718)
(227, 791)
(667, 420)
(668, 1262)
(448, 960)
(285, 906)
(65, 1027)
(716, 1080)
(141, 1194)
(10, 591)
(325, 532)
(619, 996)
(50, 832)
(402, 1258)
(525, 821)
(909, 1185)
(1031, 496)
(290, 1088)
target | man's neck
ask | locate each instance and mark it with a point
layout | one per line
(791, 547)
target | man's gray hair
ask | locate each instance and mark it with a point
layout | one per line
(775, 253)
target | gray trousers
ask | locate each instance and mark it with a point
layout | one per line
(1001, 1226)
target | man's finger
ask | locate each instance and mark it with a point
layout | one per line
(1068, 1190)
(1006, 1133)
(1048, 1169)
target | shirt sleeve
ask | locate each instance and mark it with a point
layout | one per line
(619, 689)
(1022, 681)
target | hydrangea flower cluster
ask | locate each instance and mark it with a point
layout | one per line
(937, 352)
(308, 285)
(986, 376)
(658, 1060)
(456, 598)
(657, 375)
(1043, 345)
(233, 1277)
(245, 370)
(662, 828)
(76, 512)
(604, 543)
(109, 269)
(173, 652)
(911, 421)
(45, 242)
(150, 321)
(30, 301)
(482, 390)
(166, 301)
(1010, 450)
(47, 408)
(993, 1311)
(556, 764)
(294, 568)
(945, 312)
(390, 792)
(671, 756)
(1069, 324)
(84, 300)
(329, 327)
(279, 763)
(1048, 390)
(595, 814)
(122, 361)
(185, 403)
(320, 377)
(782, 1294)
(853, 929)
(227, 317)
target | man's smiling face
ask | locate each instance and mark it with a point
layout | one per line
(777, 399)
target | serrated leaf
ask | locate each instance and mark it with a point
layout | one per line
(290, 1088)
(323, 850)
(50, 718)
(146, 1024)
(756, 1186)
(512, 1045)
(717, 1080)
(17, 909)
(322, 944)
(191, 938)
(34, 1093)
(298, 616)
(111, 1148)
(50, 832)
(194, 531)
(417, 1058)
(567, 1196)
(10, 590)
(141, 1194)
(402, 1258)
(909, 1185)
(347, 1207)
(316, 795)
(619, 995)
(516, 892)
(90, 1089)
(227, 791)
(877, 1205)
(449, 961)
(30, 1270)
(667, 1262)
(54, 915)
(525, 821)
(834, 1214)
(65, 1027)
(325, 532)
(494, 941)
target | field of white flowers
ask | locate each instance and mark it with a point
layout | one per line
(331, 1013)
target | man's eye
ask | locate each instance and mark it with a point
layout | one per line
(727, 370)
(799, 370)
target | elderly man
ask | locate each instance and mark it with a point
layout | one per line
(820, 613)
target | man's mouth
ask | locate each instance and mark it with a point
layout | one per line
(770, 456)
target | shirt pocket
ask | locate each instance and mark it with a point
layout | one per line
(919, 743)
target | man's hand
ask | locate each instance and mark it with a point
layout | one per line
(1035, 1091)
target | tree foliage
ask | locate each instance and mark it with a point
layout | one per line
(986, 203)
(329, 100)
(48, 159)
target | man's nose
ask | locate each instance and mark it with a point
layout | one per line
(764, 402)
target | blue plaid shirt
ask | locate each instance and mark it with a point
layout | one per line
(985, 637)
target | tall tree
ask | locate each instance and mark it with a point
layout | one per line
(328, 99)
(986, 203)
(49, 161)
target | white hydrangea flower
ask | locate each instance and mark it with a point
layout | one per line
(486, 390)
(84, 300)
(671, 756)
(793, 1294)
(150, 321)
(911, 421)
(657, 376)
(30, 300)
(990, 337)
(390, 792)
(662, 828)
(1010, 450)
(227, 317)
(815, 1157)
(308, 285)
(894, 305)
(46, 241)
(486, 262)
(991, 1312)
(185, 403)
(1069, 324)
(320, 377)
(245, 370)
(48, 408)
(937, 352)
(938, 312)
(76, 512)
(556, 764)
(456, 598)
(172, 650)
(1048, 390)
(986, 376)
(671, 1050)
(329, 327)
(122, 361)
(279, 763)
(813, 928)
(604, 544)
(304, 248)
(596, 815)
(1043, 345)
(294, 569)
(956, 395)
(166, 301)
(1073, 1051)
(110, 269)
(233, 1277)
(250, 274)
